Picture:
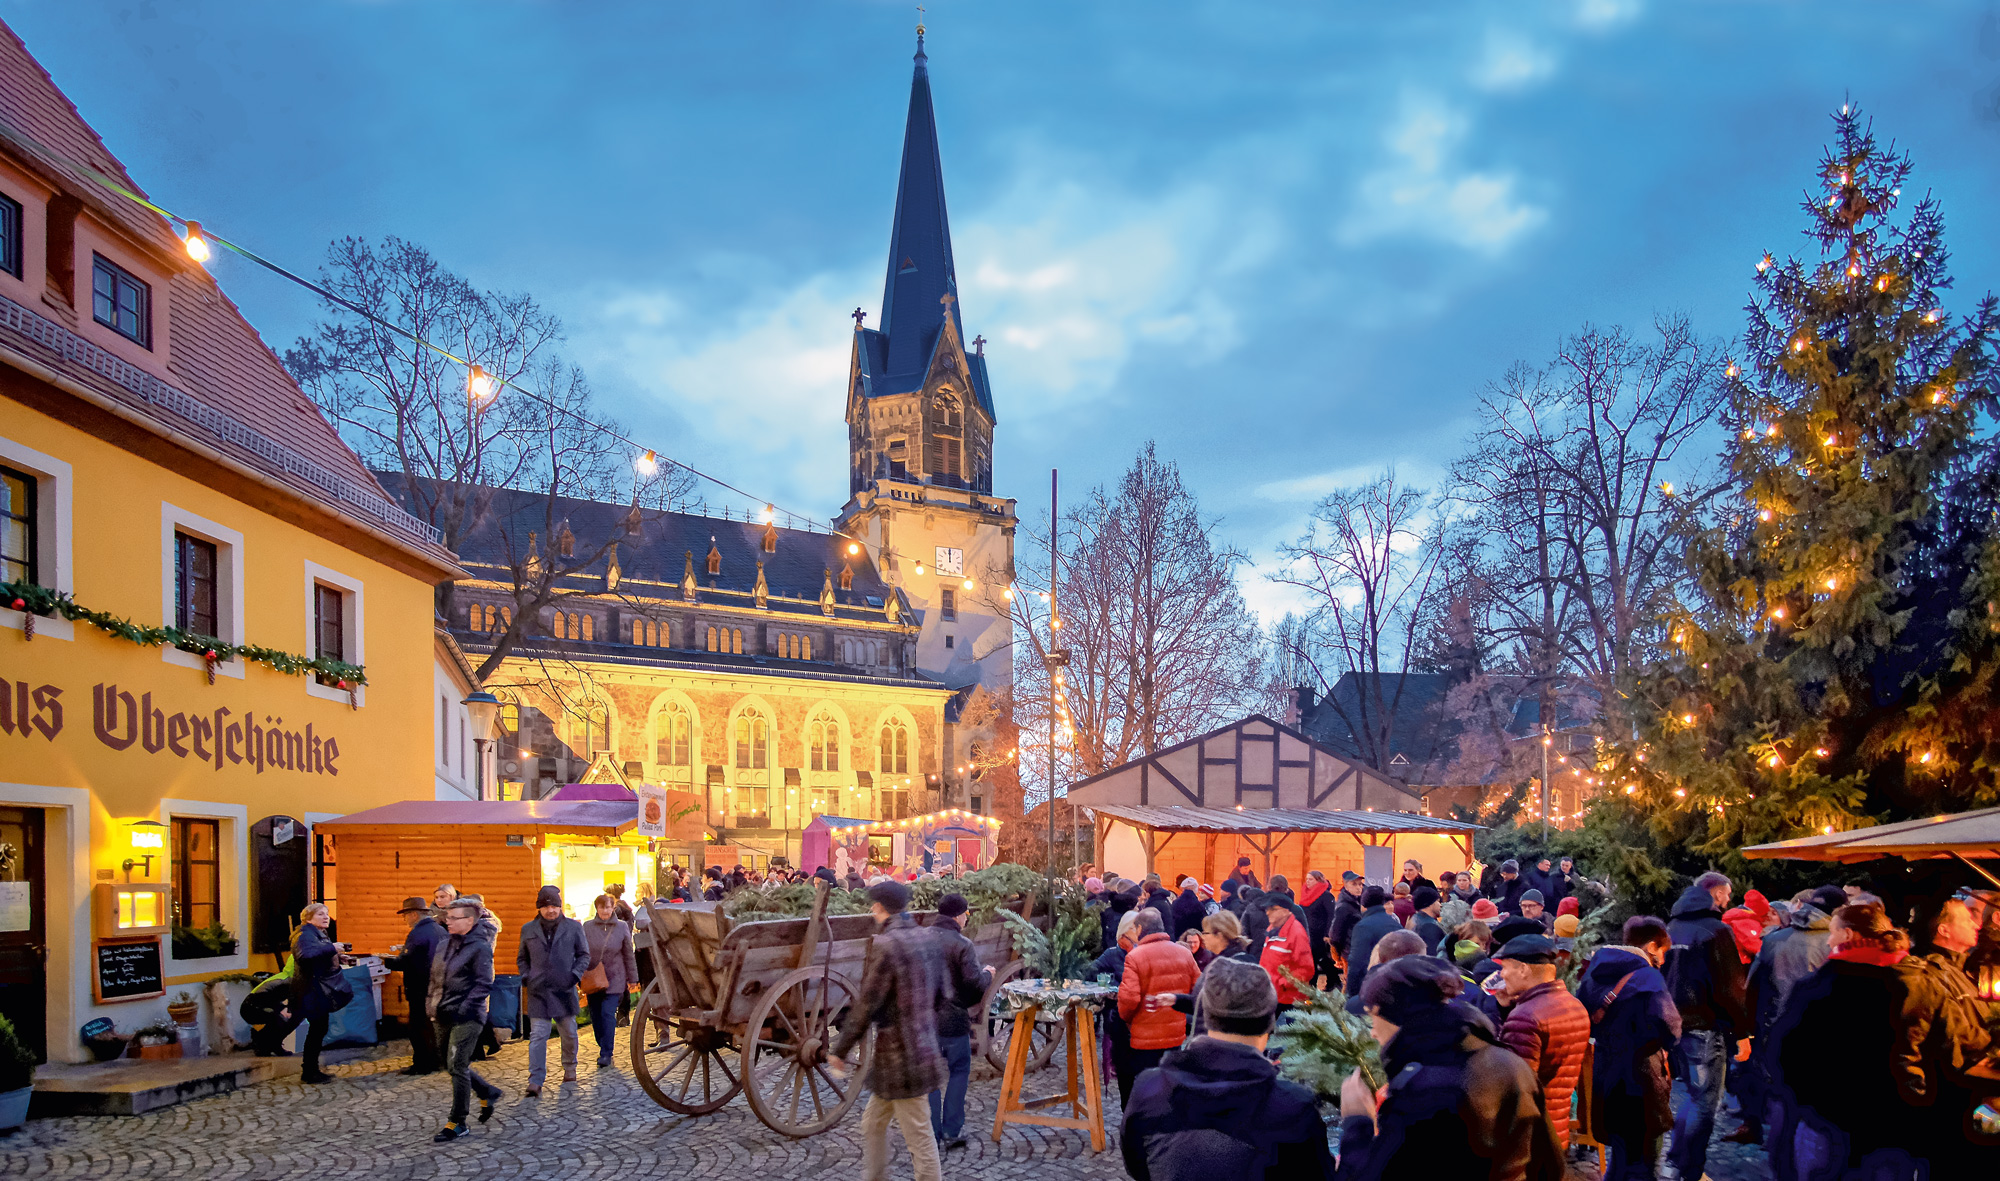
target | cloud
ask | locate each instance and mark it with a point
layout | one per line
(1420, 192)
(1599, 15)
(1510, 61)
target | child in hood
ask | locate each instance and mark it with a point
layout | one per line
(1748, 929)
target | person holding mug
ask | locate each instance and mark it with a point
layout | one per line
(318, 991)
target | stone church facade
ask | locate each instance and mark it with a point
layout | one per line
(781, 673)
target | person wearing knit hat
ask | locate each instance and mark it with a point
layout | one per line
(1477, 1112)
(1485, 911)
(1569, 906)
(1566, 925)
(1093, 887)
(1428, 903)
(1532, 907)
(1220, 1089)
(552, 957)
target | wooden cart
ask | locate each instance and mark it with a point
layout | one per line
(756, 1007)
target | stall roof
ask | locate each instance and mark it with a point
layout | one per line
(1965, 834)
(1180, 818)
(580, 817)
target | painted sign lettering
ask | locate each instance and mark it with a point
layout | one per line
(218, 737)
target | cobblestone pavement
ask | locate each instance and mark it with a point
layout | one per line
(375, 1123)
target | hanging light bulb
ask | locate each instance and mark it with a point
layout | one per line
(769, 514)
(197, 243)
(1667, 488)
(647, 463)
(1008, 594)
(1764, 515)
(1772, 761)
(920, 569)
(478, 385)
(1772, 431)
(1832, 584)
(1687, 719)
(1763, 264)
(1799, 345)
(968, 584)
(1777, 613)
(853, 547)
(1730, 371)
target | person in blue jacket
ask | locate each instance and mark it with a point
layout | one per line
(1633, 1026)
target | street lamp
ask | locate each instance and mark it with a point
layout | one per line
(484, 710)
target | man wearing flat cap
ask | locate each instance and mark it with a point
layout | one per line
(1545, 1025)
(552, 959)
(413, 960)
(900, 982)
(1215, 1109)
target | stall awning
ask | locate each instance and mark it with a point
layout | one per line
(1965, 834)
(605, 818)
(1230, 820)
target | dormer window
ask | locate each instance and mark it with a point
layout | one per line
(770, 538)
(121, 302)
(714, 557)
(847, 578)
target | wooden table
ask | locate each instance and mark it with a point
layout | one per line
(1085, 1092)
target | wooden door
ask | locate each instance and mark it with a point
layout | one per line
(24, 984)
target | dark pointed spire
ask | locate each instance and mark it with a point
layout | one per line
(920, 265)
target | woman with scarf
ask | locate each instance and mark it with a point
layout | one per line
(1836, 1050)
(1457, 1104)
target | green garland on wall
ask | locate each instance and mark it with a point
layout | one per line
(40, 600)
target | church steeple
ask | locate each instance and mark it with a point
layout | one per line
(920, 265)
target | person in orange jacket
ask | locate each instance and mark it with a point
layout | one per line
(1286, 946)
(1155, 965)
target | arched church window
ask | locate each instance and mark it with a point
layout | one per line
(823, 742)
(752, 740)
(895, 750)
(673, 737)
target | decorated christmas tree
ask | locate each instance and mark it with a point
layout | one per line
(1824, 666)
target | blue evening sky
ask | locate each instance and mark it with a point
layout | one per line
(1289, 241)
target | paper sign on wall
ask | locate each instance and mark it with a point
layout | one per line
(652, 810)
(1378, 865)
(15, 903)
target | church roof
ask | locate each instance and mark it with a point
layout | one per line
(896, 358)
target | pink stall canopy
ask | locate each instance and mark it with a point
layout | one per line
(816, 842)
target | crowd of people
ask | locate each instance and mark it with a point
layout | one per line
(1507, 1049)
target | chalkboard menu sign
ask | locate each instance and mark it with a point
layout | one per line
(128, 971)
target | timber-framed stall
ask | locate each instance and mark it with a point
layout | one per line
(1328, 841)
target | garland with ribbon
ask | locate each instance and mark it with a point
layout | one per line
(34, 600)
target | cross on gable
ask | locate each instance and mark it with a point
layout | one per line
(858, 316)
(947, 299)
(979, 345)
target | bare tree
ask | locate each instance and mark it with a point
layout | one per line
(1574, 489)
(1371, 561)
(1161, 645)
(447, 448)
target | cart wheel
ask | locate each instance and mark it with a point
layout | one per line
(995, 1030)
(687, 1067)
(789, 1035)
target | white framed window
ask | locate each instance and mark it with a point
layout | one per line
(43, 539)
(334, 627)
(217, 887)
(187, 577)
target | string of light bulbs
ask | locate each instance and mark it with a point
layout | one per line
(482, 388)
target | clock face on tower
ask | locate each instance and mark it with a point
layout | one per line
(951, 561)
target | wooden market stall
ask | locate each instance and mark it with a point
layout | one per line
(1262, 789)
(503, 850)
(1963, 835)
(1178, 841)
(952, 838)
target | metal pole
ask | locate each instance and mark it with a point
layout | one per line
(1049, 864)
(1545, 786)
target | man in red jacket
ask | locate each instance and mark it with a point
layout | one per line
(1545, 1025)
(1155, 965)
(1286, 946)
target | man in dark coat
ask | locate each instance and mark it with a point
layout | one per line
(1789, 954)
(962, 984)
(1376, 921)
(1216, 1109)
(1188, 910)
(1425, 922)
(1458, 1104)
(1541, 877)
(1120, 902)
(1941, 1033)
(1709, 985)
(1563, 882)
(414, 962)
(1506, 891)
(461, 980)
(1633, 1023)
(1320, 902)
(1159, 899)
(1241, 875)
(900, 981)
(552, 958)
(1346, 913)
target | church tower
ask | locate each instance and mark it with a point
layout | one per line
(920, 445)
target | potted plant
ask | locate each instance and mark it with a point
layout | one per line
(203, 943)
(17, 1078)
(183, 1009)
(161, 1039)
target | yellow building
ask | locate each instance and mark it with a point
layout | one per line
(160, 467)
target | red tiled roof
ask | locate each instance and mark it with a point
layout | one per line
(217, 358)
